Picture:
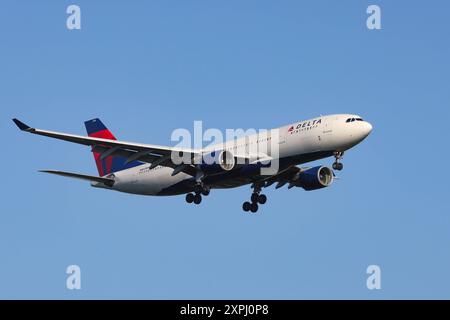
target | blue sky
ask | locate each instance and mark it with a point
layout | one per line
(148, 68)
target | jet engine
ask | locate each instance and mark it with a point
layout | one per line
(314, 178)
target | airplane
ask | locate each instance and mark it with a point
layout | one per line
(151, 170)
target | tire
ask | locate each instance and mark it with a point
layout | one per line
(253, 207)
(262, 198)
(198, 188)
(340, 166)
(189, 198)
(205, 191)
(197, 199)
(246, 206)
(254, 197)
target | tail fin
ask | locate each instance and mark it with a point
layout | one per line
(95, 128)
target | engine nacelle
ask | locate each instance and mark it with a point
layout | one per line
(314, 178)
(218, 161)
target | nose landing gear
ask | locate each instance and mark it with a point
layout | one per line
(338, 165)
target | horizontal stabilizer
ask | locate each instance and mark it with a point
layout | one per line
(106, 181)
(22, 126)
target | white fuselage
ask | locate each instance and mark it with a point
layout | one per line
(319, 136)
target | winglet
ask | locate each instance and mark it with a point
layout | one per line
(22, 126)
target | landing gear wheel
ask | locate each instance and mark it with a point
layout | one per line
(198, 188)
(205, 191)
(253, 207)
(246, 206)
(262, 198)
(189, 198)
(338, 166)
(197, 198)
(255, 198)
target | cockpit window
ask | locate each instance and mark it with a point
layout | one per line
(359, 119)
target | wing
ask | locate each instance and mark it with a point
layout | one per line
(154, 154)
(283, 177)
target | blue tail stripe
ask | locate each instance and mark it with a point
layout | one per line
(94, 125)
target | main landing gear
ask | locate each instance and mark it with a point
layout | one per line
(199, 190)
(256, 198)
(338, 165)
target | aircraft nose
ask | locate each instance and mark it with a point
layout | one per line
(366, 128)
(358, 132)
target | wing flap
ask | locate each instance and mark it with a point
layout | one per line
(283, 177)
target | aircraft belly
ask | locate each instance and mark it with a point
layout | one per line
(148, 182)
(231, 183)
